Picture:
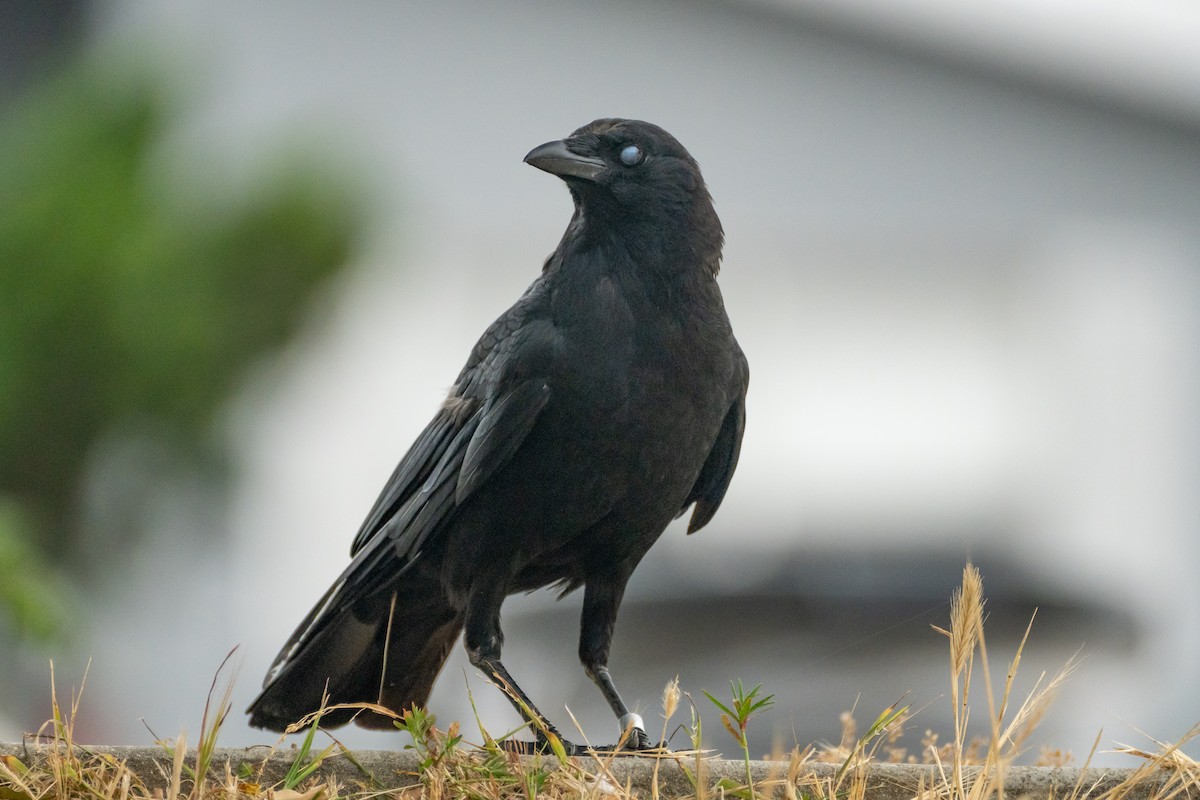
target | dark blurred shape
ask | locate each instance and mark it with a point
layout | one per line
(33, 34)
(126, 303)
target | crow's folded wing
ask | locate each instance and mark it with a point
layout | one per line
(464, 445)
(414, 468)
(709, 489)
(502, 428)
(486, 396)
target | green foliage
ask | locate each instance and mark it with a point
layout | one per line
(430, 744)
(745, 704)
(302, 766)
(210, 728)
(887, 721)
(29, 588)
(736, 718)
(126, 302)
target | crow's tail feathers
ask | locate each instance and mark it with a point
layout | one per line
(355, 660)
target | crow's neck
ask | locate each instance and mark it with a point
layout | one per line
(665, 248)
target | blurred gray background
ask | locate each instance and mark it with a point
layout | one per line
(963, 259)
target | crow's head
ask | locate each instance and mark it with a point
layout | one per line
(634, 180)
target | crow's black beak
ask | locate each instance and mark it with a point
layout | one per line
(557, 159)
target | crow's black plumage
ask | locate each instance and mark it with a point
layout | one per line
(607, 401)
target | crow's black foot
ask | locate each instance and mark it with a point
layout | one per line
(638, 739)
(636, 744)
(642, 746)
(540, 746)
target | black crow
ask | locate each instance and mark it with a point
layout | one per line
(607, 401)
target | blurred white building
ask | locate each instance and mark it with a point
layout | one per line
(963, 251)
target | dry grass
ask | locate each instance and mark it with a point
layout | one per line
(448, 767)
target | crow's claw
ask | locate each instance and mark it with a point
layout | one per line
(625, 749)
(634, 745)
(540, 746)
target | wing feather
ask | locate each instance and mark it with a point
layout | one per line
(474, 434)
(504, 427)
(717, 472)
(413, 469)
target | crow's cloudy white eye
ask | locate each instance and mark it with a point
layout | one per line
(631, 155)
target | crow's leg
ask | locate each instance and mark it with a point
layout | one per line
(483, 640)
(601, 599)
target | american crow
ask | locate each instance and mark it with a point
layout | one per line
(604, 403)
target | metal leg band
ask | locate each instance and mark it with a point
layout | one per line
(631, 719)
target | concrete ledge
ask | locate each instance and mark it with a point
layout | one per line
(389, 770)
